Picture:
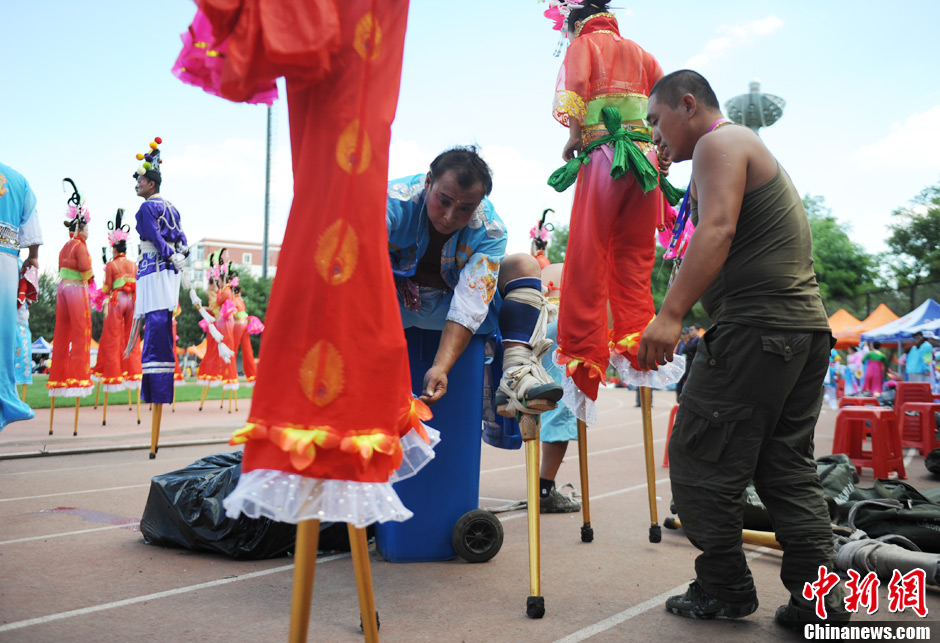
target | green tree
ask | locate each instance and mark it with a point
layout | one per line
(42, 313)
(914, 244)
(843, 267)
(558, 245)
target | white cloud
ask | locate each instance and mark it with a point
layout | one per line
(908, 145)
(734, 36)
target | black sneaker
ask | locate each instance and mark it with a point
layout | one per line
(795, 620)
(558, 503)
(695, 603)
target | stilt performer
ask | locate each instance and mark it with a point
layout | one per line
(245, 326)
(120, 287)
(210, 367)
(159, 271)
(316, 426)
(19, 228)
(601, 96)
(225, 323)
(70, 375)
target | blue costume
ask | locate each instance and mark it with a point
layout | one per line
(469, 262)
(19, 228)
(158, 287)
(469, 267)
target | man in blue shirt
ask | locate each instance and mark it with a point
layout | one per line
(918, 359)
(448, 251)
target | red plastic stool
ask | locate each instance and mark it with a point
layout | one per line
(672, 419)
(926, 438)
(854, 425)
(852, 400)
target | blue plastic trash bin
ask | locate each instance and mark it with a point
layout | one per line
(448, 486)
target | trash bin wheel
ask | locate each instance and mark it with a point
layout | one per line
(477, 536)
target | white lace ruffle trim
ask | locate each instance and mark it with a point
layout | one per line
(580, 404)
(670, 373)
(71, 392)
(289, 497)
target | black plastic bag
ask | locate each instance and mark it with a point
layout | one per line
(184, 509)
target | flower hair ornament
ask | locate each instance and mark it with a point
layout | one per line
(557, 12)
(150, 167)
(76, 210)
(118, 231)
(542, 232)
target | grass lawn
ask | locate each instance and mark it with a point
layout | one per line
(38, 397)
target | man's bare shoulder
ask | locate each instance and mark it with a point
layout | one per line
(734, 147)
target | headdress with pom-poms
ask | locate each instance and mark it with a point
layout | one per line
(118, 231)
(557, 12)
(150, 167)
(76, 210)
(542, 232)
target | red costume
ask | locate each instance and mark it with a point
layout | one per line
(611, 243)
(243, 339)
(70, 375)
(209, 371)
(322, 440)
(120, 286)
(225, 322)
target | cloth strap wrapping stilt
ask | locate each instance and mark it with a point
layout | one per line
(522, 365)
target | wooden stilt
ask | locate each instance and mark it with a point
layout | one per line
(236, 400)
(587, 532)
(138, 406)
(173, 408)
(130, 401)
(78, 401)
(231, 399)
(646, 402)
(51, 412)
(24, 393)
(360, 556)
(97, 391)
(205, 392)
(530, 427)
(305, 560)
(155, 430)
(222, 401)
(104, 415)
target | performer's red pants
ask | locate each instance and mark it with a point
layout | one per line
(610, 256)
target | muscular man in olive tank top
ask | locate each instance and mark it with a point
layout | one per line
(748, 410)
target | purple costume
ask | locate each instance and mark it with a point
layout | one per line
(158, 287)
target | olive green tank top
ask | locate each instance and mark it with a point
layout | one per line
(768, 279)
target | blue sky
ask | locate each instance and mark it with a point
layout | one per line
(87, 85)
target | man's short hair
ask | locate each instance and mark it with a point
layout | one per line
(467, 165)
(671, 88)
(685, 330)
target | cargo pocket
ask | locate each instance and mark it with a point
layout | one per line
(709, 426)
(787, 345)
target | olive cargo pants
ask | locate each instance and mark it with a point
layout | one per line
(748, 411)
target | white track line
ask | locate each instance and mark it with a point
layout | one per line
(150, 597)
(621, 617)
(88, 468)
(72, 493)
(609, 494)
(68, 533)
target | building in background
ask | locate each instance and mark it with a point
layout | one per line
(246, 257)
